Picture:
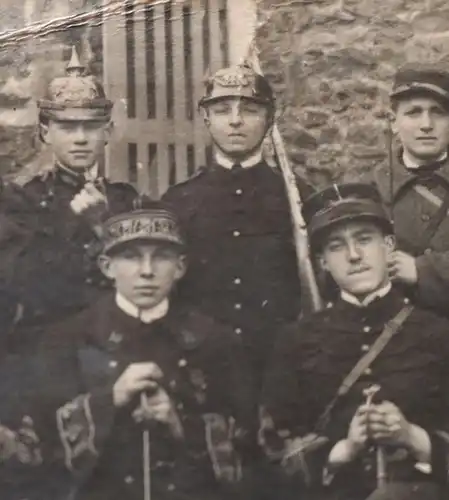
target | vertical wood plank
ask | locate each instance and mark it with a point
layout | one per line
(140, 61)
(180, 111)
(115, 83)
(216, 54)
(143, 165)
(161, 101)
(198, 70)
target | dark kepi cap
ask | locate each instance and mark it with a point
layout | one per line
(411, 80)
(237, 81)
(76, 96)
(148, 221)
(344, 203)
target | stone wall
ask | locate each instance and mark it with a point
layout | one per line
(27, 62)
(331, 63)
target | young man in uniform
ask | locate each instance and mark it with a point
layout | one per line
(415, 184)
(48, 236)
(379, 417)
(242, 264)
(138, 397)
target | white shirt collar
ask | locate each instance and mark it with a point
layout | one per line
(144, 315)
(347, 297)
(226, 162)
(411, 164)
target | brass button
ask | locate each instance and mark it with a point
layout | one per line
(129, 479)
(113, 363)
(237, 306)
(182, 363)
(236, 234)
(425, 217)
(238, 331)
(368, 371)
(365, 347)
(171, 487)
(238, 191)
(237, 281)
(366, 329)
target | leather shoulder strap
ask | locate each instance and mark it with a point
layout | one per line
(390, 329)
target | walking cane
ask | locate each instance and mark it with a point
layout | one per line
(381, 464)
(146, 455)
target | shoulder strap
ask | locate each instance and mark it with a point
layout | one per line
(435, 222)
(390, 329)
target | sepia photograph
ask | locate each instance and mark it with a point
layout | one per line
(224, 250)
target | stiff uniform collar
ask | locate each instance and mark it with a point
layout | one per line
(144, 315)
(226, 162)
(410, 163)
(351, 299)
(89, 174)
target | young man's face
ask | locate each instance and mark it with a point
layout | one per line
(422, 123)
(77, 144)
(356, 255)
(144, 273)
(237, 126)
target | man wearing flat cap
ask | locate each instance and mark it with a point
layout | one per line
(48, 236)
(138, 397)
(378, 425)
(414, 184)
(236, 214)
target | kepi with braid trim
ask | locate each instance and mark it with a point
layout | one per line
(148, 221)
(344, 203)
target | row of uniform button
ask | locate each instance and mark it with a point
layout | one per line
(366, 347)
(236, 233)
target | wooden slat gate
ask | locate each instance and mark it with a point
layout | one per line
(156, 54)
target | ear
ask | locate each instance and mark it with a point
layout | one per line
(205, 114)
(181, 267)
(322, 262)
(390, 242)
(104, 263)
(108, 129)
(43, 132)
(392, 122)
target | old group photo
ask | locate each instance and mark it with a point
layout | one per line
(224, 250)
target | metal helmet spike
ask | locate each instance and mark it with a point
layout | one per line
(74, 66)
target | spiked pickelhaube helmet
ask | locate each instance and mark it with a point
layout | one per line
(76, 96)
(237, 81)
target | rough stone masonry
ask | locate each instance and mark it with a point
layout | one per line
(331, 63)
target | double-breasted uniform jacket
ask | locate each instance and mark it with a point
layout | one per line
(48, 254)
(89, 445)
(415, 201)
(242, 264)
(412, 372)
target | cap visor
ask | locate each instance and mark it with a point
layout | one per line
(415, 88)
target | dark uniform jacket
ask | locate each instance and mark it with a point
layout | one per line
(86, 440)
(415, 201)
(242, 264)
(47, 253)
(311, 360)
